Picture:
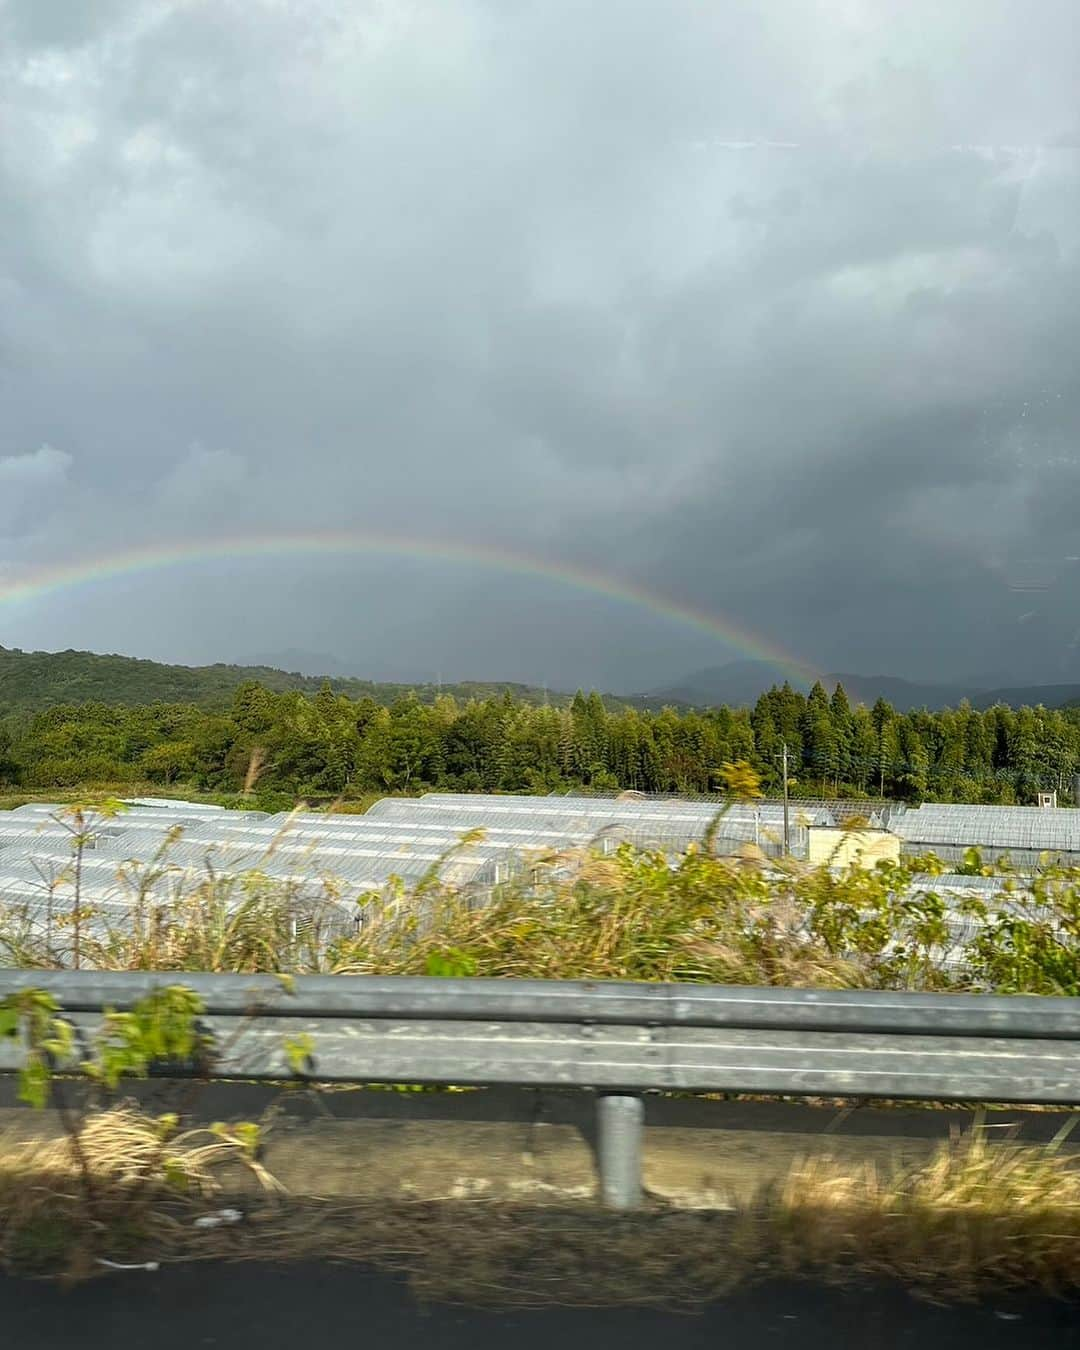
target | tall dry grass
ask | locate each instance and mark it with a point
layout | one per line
(975, 1217)
(588, 915)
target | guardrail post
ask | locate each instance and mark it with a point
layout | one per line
(620, 1125)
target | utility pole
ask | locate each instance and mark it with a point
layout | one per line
(787, 830)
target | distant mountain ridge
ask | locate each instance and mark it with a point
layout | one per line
(742, 682)
(31, 681)
(299, 661)
(1050, 695)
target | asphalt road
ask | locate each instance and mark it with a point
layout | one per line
(242, 1306)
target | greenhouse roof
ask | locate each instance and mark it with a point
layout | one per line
(1000, 827)
(402, 837)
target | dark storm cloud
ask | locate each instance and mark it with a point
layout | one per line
(771, 308)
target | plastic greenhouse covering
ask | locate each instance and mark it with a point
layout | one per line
(322, 858)
(1026, 828)
(126, 855)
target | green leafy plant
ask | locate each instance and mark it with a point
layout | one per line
(161, 1032)
(47, 1040)
(1031, 946)
(452, 963)
(299, 1052)
(246, 1135)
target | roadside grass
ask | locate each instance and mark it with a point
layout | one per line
(975, 1217)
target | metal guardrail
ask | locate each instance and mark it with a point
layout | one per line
(618, 1039)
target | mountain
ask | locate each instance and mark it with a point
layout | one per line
(985, 680)
(904, 695)
(737, 683)
(30, 681)
(742, 682)
(1049, 695)
(295, 659)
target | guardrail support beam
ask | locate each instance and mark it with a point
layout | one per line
(620, 1128)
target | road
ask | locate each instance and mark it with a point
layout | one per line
(242, 1306)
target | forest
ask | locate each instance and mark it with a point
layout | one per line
(271, 745)
(33, 680)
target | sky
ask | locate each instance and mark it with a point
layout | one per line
(768, 313)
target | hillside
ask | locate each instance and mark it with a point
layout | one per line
(30, 681)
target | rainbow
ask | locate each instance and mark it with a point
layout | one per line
(53, 579)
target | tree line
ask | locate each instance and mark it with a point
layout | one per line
(329, 744)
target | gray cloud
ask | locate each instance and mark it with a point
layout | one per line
(769, 309)
(28, 483)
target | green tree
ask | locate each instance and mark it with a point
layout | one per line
(843, 729)
(820, 752)
(864, 749)
(170, 762)
(9, 768)
(884, 719)
(253, 708)
(913, 779)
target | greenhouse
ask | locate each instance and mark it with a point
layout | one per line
(1025, 835)
(326, 866)
(158, 850)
